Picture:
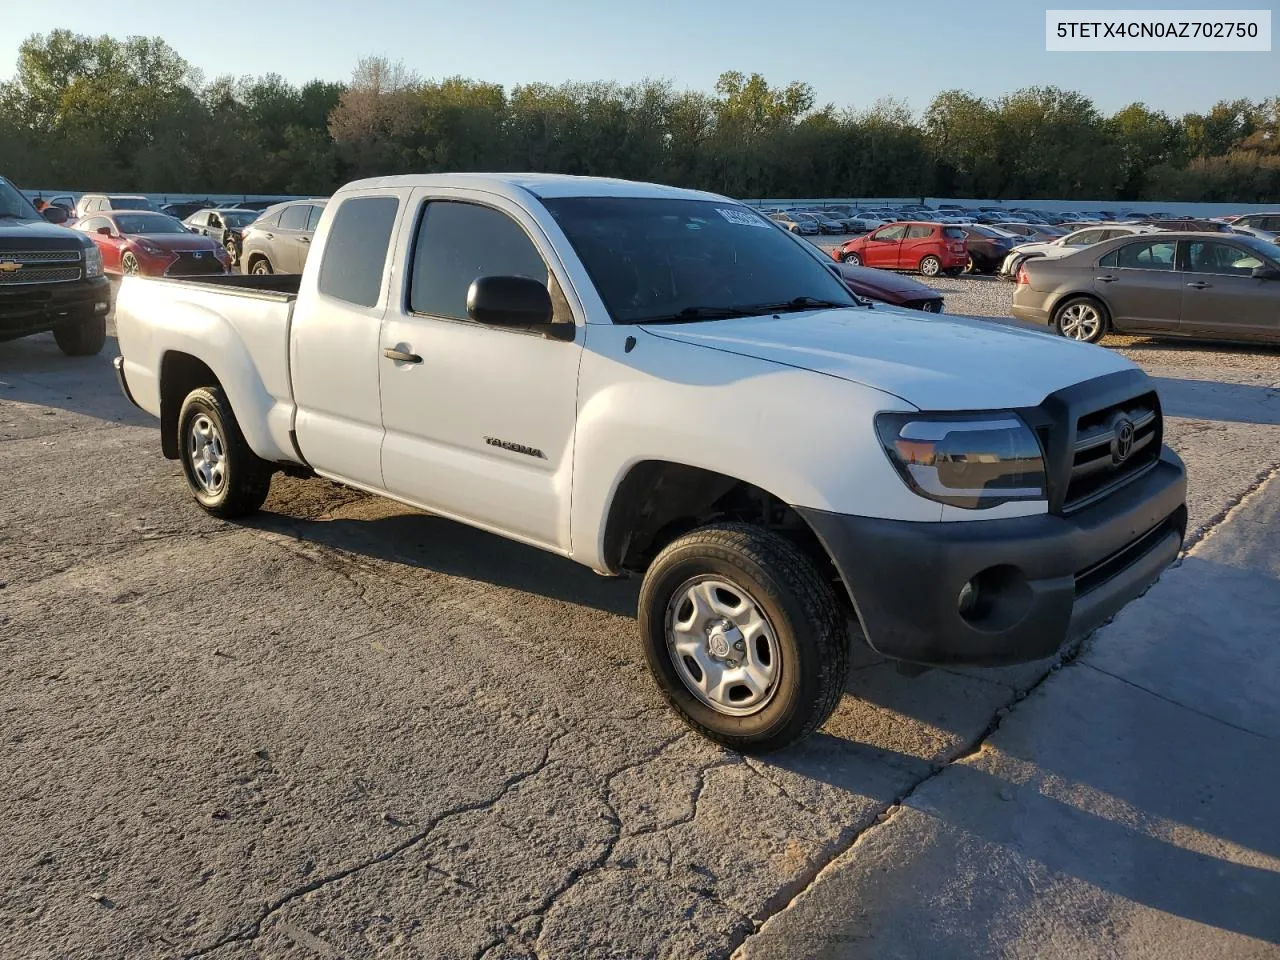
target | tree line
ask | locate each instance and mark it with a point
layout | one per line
(95, 113)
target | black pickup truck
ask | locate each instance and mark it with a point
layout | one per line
(50, 277)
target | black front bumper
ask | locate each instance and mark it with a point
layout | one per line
(35, 308)
(1040, 580)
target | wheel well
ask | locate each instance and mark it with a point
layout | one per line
(658, 501)
(180, 373)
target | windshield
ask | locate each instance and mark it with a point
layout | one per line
(1269, 252)
(136, 223)
(14, 204)
(238, 218)
(131, 203)
(654, 258)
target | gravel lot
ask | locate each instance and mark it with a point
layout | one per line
(346, 728)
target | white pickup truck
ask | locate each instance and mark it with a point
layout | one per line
(662, 382)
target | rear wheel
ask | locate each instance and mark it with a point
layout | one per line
(852, 258)
(227, 478)
(930, 266)
(233, 252)
(744, 636)
(82, 338)
(1081, 318)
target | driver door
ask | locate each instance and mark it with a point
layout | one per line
(883, 246)
(480, 422)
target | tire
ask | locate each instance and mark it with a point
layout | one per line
(852, 259)
(226, 477)
(233, 252)
(793, 617)
(129, 264)
(82, 338)
(1081, 318)
(261, 266)
(930, 266)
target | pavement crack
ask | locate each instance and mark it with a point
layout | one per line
(253, 930)
(1176, 703)
(1211, 525)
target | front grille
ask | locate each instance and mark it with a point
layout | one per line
(23, 267)
(28, 275)
(189, 265)
(40, 256)
(1106, 455)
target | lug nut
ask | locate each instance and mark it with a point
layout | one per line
(739, 645)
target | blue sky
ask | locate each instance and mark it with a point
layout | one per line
(852, 52)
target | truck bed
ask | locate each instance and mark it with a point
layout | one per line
(271, 286)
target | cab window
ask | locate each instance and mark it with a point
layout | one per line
(295, 217)
(356, 252)
(1209, 256)
(896, 232)
(458, 243)
(919, 232)
(1146, 255)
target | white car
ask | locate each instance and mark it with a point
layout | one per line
(1063, 246)
(660, 383)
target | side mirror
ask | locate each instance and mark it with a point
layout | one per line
(508, 302)
(193, 229)
(54, 214)
(105, 231)
(1266, 272)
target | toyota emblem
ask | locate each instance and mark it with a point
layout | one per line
(1122, 443)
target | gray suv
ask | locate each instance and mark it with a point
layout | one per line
(279, 240)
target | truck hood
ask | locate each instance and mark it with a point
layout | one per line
(38, 235)
(936, 362)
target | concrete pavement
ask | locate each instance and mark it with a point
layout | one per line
(1127, 807)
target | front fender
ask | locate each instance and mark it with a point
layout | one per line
(805, 437)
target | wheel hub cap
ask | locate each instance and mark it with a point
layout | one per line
(208, 455)
(722, 646)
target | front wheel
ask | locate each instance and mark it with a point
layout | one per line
(744, 636)
(233, 252)
(261, 267)
(129, 265)
(930, 266)
(1081, 318)
(852, 259)
(82, 338)
(227, 478)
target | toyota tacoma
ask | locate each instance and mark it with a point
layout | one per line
(664, 383)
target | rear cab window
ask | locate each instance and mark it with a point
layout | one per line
(953, 233)
(919, 232)
(355, 254)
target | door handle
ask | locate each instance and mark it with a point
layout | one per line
(271, 236)
(1199, 285)
(304, 239)
(401, 356)
(1106, 279)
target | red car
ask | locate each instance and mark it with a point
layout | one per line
(931, 248)
(137, 242)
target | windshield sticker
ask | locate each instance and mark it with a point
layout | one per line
(742, 218)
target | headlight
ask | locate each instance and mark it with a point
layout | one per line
(92, 263)
(965, 460)
(150, 248)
